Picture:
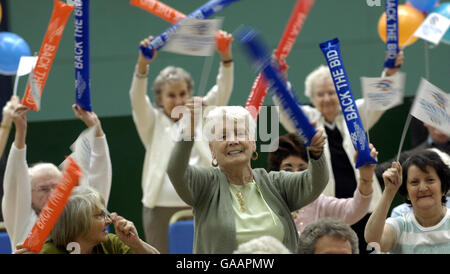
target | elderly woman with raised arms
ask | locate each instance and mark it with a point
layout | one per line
(233, 203)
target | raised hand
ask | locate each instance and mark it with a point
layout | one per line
(224, 49)
(125, 230)
(317, 144)
(392, 177)
(142, 59)
(398, 63)
(366, 171)
(89, 118)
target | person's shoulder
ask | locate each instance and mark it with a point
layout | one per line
(50, 248)
(114, 245)
(262, 173)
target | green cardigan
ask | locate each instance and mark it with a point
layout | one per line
(112, 246)
(207, 191)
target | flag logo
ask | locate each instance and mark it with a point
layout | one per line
(383, 85)
(440, 100)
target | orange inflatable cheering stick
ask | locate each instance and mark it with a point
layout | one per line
(54, 207)
(55, 29)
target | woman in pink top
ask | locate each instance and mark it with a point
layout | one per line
(291, 155)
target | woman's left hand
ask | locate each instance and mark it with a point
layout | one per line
(317, 144)
(125, 230)
(89, 118)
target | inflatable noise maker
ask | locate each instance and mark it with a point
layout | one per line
(409, 19)
(291, 31)
(55, 29)
(261, 58)
(332, 53)
(82, 56)
(391, 33)
(54, 207)
(173, 16)
(204, 12)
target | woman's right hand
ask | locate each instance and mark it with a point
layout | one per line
(20, 121)
(23, 250)
(392, 178)
(317, 144)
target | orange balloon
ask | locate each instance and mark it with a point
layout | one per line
(0, 13)
(409, 19)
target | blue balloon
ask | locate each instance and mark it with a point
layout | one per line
(12, 47)
(423, 5)
(444, 10)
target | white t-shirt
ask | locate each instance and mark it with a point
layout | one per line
(412, 238)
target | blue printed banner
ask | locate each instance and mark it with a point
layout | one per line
(81, 51)
(332, 53)
(260, 56)
(391, 33)
(204, 12)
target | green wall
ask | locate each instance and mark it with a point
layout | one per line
(117, 28)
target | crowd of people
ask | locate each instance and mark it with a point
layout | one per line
(309, 200)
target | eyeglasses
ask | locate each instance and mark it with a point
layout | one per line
(102, 215)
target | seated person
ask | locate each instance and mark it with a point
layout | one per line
(26, 190)
(291, 156)
(328, 236)
(83, 225)
(262, 245)
(423, 180)
(405, 207)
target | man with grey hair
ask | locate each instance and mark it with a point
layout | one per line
(328, 236)
(262, 245)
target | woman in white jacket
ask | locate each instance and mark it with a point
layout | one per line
(26, 190)
(157, 130)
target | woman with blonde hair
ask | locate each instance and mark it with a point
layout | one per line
(83, 226)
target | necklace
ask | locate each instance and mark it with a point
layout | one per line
(241, 200)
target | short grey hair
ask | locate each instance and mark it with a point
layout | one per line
(262, 245)
(77, 217)
(172, 74)
(326, 226)
(321, 73)
(46, 168)
(216, 116)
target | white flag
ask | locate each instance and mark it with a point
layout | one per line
(433, 28)
(26, 64)
(35, 89)
(383, 93)
(81, 151)
(194, 37)
(431, 106)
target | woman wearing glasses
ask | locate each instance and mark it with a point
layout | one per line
(26, 190)
(82, 229)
